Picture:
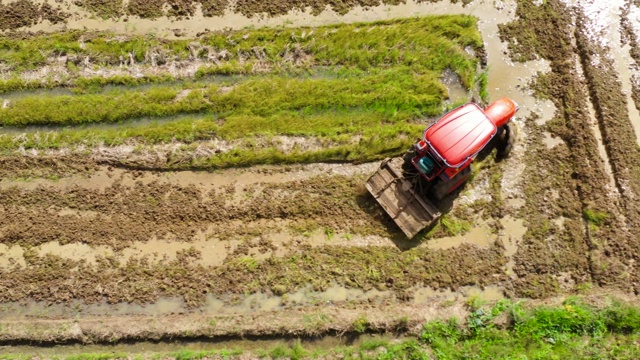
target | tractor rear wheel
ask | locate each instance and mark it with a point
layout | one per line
(441, 189)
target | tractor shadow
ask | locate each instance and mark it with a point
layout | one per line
(367, 202)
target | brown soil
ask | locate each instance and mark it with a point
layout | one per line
(146, 8)
(582, 184)
(18, 14)
(126, 214)
(53, 14)
(122, 214)
(25, 13)
(27, 167)
(103, 8)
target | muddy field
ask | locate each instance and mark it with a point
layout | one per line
(94, 237)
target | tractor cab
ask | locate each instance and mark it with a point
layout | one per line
(451, 144)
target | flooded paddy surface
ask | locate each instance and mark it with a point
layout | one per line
(230, 238)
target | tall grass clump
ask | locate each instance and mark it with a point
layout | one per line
(511, 331)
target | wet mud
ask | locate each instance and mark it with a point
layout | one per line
(117, 220)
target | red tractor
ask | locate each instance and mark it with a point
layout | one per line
(440, 162)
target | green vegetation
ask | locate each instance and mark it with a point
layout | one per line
(249, 105)
(360, 325)
(505, 330)
(453, 226)
(425, 44)
(357, 97)
(574, 330)
(450, 224)
(593, 217)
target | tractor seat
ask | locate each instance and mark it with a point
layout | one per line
(426, 165)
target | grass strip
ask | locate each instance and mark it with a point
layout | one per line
(431, 43)
(389, 92)
(506, 330)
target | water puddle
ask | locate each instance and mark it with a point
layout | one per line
(11, 256)
(512, 232)
(457, 92)
(213, 251)
(479, 235)
(74, 251)
(338, 294)
(431, 296)
(551, 141)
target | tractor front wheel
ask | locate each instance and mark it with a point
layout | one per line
(507, 137)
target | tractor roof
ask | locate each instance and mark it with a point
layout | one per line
(460, 134)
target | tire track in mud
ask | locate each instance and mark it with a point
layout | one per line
(609, 243)
(551, 251)
(614, 120)
(630, 30)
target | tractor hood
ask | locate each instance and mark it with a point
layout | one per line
(460, 134)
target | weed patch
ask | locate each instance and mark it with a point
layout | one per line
(511, 330)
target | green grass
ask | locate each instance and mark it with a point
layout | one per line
(389, 92)
(427, 43)
(119, 355)
(573, 330)
(360, 325)
(360, 90)
(593, 217)
(504, 330)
